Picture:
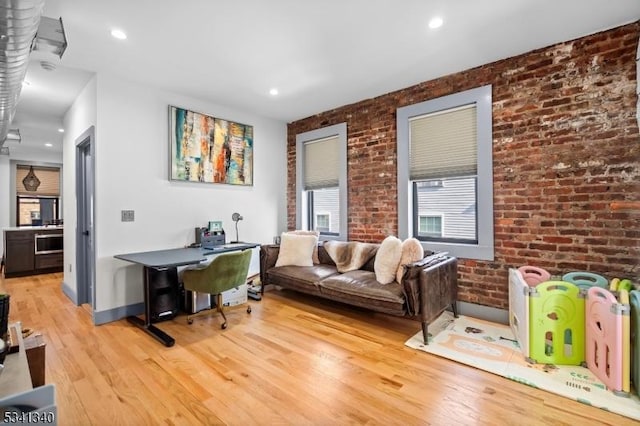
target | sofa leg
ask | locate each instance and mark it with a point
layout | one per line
(454, 308)
(425, 332)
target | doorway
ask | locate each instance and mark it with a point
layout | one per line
(85, 238)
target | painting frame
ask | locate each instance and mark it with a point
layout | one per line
(208, 149)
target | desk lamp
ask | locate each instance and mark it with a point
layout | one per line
(236, 217)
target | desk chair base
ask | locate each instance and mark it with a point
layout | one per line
(219, 308)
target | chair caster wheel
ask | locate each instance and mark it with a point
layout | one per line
(189, 321)
(223, 326)
(248, 309)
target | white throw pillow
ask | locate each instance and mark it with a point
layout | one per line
(296, 250)
(412, 251)
(387, 260)
(314, 257)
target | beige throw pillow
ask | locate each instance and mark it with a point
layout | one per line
(314, 257)
(296, 250)
(387, 260)
(412, 251)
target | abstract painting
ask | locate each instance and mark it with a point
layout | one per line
(208, 149)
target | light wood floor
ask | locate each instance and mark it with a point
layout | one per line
(294, 360)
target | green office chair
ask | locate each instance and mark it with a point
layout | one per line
(225, 272)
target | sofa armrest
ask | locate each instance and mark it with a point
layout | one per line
(268, 258)
(430, 285)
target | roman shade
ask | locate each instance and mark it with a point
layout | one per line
(49, 180)
(443, 144)
(321, 161)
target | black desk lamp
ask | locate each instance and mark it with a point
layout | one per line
(236, 217)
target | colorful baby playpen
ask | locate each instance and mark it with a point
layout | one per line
(556, 323)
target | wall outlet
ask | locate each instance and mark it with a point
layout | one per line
(127, 215)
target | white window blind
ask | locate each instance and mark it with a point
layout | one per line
(321, 161)
(443, 144)
(49, 180)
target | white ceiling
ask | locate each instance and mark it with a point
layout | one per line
(319, 55)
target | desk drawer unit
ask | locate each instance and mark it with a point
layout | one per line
(163, 293)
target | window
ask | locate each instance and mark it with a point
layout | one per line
(445, 166)
(39, 204)
(323, 222)
(36, 211)
(429, 225)
(321, 170)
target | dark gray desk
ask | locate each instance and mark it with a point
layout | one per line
(162, 260)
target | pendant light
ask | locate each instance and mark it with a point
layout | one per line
(31, 181)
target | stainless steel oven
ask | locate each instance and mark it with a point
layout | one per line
(48, 243)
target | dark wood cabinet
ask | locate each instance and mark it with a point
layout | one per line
(47, 261)
(20, 254)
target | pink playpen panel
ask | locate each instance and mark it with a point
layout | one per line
(604, 337)
(634, 301)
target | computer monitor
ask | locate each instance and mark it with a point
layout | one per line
(215, 226)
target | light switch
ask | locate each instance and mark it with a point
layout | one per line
(127, 215)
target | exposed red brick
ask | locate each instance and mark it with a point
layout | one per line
(566, 153)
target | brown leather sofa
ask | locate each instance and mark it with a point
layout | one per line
(427, 288)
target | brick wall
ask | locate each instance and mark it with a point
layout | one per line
(566, 153)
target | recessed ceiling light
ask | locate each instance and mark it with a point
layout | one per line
(435, 22)
(273, 92)
(48, 144)
(119, 34)
(61, 130)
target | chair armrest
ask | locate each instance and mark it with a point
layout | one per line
(268, 258)
(430, 285)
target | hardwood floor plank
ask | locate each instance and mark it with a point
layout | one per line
(295, 360)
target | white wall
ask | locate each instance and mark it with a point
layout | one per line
(131, 167)
(5, 200)
(81, 116)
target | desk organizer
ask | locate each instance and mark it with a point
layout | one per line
(606, 348)
(519, 309)
(556, 322)
(634, 301)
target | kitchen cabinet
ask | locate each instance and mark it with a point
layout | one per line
(20, 254)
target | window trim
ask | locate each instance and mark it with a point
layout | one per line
(302, 218)
(481, 96)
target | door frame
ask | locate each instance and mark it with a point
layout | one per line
(85, 190)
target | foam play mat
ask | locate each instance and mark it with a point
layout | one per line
(492, 347)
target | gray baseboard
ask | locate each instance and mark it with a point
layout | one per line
(70, 293)
(486, 313)
(118, 313)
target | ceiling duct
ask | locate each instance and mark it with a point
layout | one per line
(19, 21)
(51, 37)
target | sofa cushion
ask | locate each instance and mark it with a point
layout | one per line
(412, 251)
(301, 277)
(388, 259)
(296, 250)
(361, 288)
